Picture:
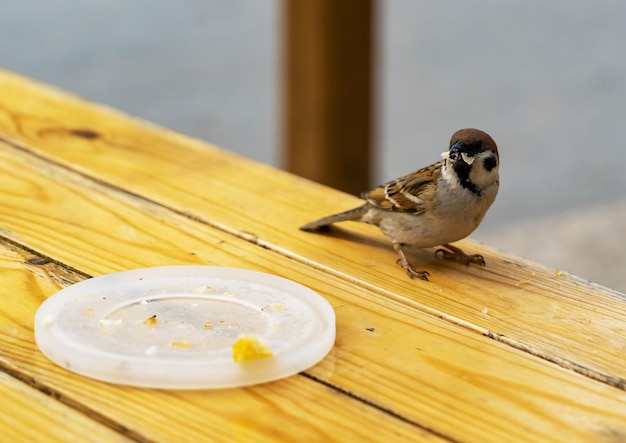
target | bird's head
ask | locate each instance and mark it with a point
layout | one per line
(473, 155)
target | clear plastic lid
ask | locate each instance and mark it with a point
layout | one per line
(186, 327)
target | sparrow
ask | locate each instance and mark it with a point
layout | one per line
(435, 205)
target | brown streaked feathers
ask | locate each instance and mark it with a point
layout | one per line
(411, 193)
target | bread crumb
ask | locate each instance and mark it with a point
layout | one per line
(250, 348)
(558, 274)
(203, 289)
(467, 158)
(207, 325)
(180, 344)
(485, 311)
(151, 321)
(151, 350)
(48, 321)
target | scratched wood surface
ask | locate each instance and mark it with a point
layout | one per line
(32, 416)
(539, 310)
(474, 355)
(294, 409)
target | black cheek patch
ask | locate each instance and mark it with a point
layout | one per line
(489, 163)
(462, 170)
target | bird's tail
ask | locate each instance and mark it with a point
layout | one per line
(351, 214)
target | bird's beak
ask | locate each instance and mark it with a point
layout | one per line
(455, 152)
(454, 149)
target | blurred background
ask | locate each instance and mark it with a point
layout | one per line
(546, 79)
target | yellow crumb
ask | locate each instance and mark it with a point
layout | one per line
(558, 273)
(250, 348)
(207, 325)
(523, 283)
(180, 344)
(150, 321)
(203, 289)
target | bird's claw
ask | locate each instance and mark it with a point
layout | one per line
(459, 256)
(411, 271)
(477, 259)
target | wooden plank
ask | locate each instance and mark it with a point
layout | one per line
(295, 409)
(431, 373)
(558, 317)
(327, 96)
(28, 415)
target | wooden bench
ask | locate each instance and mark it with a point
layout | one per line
(512, 352)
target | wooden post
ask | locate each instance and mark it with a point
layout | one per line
(327, 92)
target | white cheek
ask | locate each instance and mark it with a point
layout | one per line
(480, 176)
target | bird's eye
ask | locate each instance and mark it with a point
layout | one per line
(489, 163)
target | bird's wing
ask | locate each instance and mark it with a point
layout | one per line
(413, 193)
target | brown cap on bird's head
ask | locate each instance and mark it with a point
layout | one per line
(471, 136)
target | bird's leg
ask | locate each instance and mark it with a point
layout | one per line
(408, 267)
(456, 254)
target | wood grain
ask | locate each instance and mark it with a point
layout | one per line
(288, 410)
(558, 317)
(29, 415)
(400, 368)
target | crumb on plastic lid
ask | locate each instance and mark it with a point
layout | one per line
(186, 327)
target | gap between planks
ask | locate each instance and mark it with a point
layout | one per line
(39, 259)
(75, 405)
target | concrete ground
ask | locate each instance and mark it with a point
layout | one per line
(546, 79)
